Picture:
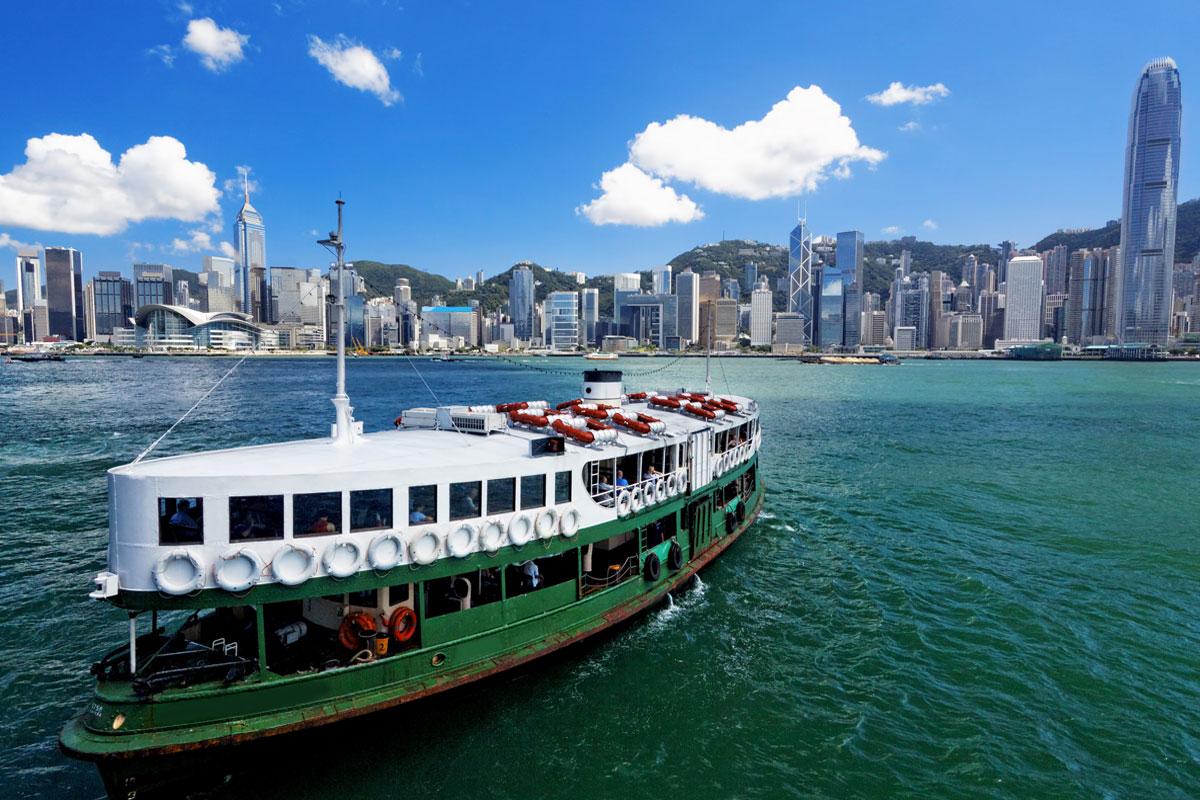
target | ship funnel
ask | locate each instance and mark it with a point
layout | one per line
(603, 387)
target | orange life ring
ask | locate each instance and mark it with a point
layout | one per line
(351, 625)
(403, 624)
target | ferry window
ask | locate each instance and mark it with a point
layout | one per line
(368, 598)
(181, 520)
(537, 573)
(422, 504)
(255, 518)
(370, 509)
(502, 495)
(316, 513)
(461, 592)
(533, 491)
(562, 487)
(399, 594)
(464, 499)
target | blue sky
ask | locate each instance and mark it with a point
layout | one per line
(468, 136)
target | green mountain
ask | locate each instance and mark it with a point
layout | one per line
(1187, 235)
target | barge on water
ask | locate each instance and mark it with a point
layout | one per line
(319, 580)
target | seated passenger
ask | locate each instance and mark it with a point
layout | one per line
(532, 574)
(322, 524)
(621, 479)
(417, 515)
(650, 473)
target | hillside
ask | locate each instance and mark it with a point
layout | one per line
(1187, 235)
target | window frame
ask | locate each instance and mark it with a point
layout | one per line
(524, 506)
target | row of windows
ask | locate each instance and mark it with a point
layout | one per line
(260, 517)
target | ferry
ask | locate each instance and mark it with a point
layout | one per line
(279, 587)
(599, 356)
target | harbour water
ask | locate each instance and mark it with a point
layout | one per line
(971, 580)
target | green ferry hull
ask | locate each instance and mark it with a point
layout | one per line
(163, 737)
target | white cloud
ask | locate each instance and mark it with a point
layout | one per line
(237, 186)
(929, 225)
(897, 93)
(201, 242)
(909, 127)
(417, 68)
(631, 197)
(803, 140)
(355, 66)
(7, 241)
(70, 184)
(186, 8)
(164, 53)
(892, 229)
(228, 250)
(392, 54)
(219, 48)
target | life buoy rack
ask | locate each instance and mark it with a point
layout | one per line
(402, 625)
(425, 546)
(665, 402)
(624, 502)
(699, 411)
(349, 629)
(635, 425)
(532, 420)
(293, 564)
(570, 431)
(386, 552)
(187, 577)
(461, 540)
(546, 523)
(342, 557)
(492, 535)
(569, 521)
(238, 570)
(521, 530)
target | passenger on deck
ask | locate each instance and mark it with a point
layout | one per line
(184, 516)
(322, 524)
(621, 479)
(651, 472)
(530, 568)
(417, 515)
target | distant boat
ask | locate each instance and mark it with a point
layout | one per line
(441, 358)
(38, 358)
(601, 357)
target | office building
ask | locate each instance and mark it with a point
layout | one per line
(874, 328)
(223, 267)
(904, 338)
(750, 275)
(112, 303)
(29, 279)
(1056, 261)
(562, 309)
(479, 278)
(251, 236)
(709, 290)
(912, 309)
(791, 331)
(589, 302)
(1023, 300)
(800, 285)
(966, 332)
(520, 302)
(652, 319)
(1149, 207)
(760, 317)
(725, 318)
(731, 287)
(687, 289)
(1007, 249)
(64, 293)
(836, 305)
(661, 279)
(298, 296)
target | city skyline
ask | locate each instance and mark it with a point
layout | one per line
(926, 133)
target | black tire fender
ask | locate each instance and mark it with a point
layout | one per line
(652, 568)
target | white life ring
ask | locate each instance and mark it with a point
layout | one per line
(568, 522)
(520, 530)
(624, 503)
(293, 564)
(546, 523)
(682, 477)
(461, 540)
(342, 557)
(743, 453)
(636, 499)
(672, 485)
(238, 570)
(425, 546)
(491, 538)
(386, 552)
(660, 489)
(179, 572)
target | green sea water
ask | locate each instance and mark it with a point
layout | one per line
(970, 580)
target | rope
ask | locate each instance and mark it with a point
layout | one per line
(574, 371)
(190, 410)
(437, 401)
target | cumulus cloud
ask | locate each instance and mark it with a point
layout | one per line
(929, 225)
(909, 127)
(898, 93)
(164, 53)
(219, 48)
(393, 54)
(7, 241)
(631, 197)
(354, 65)
(416, 67)
(238, 185)
(70, 184)
(892, 229)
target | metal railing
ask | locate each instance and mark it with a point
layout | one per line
(606, 495)
(616, 573)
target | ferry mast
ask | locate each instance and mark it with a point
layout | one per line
(343, 431)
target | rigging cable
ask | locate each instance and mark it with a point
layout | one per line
(190, 410)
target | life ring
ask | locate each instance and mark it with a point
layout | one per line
(683, 480)
(652, 568)
(386, 551)
(546, 523)
(461, 540)
(351, 625)
(660, 489)
(179, 572)
(491, 537)
(675, 557)
(568, 522)
(425, 546)
(672, 485)
(342, 557)
(293, 564)
(636, 500)
(520, 530)
(624, 503)
(238, 570)
(402, 625)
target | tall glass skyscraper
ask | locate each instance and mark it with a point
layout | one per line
(1148, 212)
(800, 278)
(251, 247)
(520, 302)
(840, 305)
(64, 292)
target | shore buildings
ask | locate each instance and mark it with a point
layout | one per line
(1023, 300)
(64, 293)
(800, 278)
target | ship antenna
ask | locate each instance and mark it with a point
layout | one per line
(344, 429)
(708, 352)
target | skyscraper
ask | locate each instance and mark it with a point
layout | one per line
(687, 287)
(29, 279)
(520, 302)
(64, 292)
(1023, 299)
(760, 317)
(589, 300)
(563, 308)
(112, 302)
(1148, 209)
(662, 279)
(750, 275)
(800, 287)
(251, 248)
(836, 304)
